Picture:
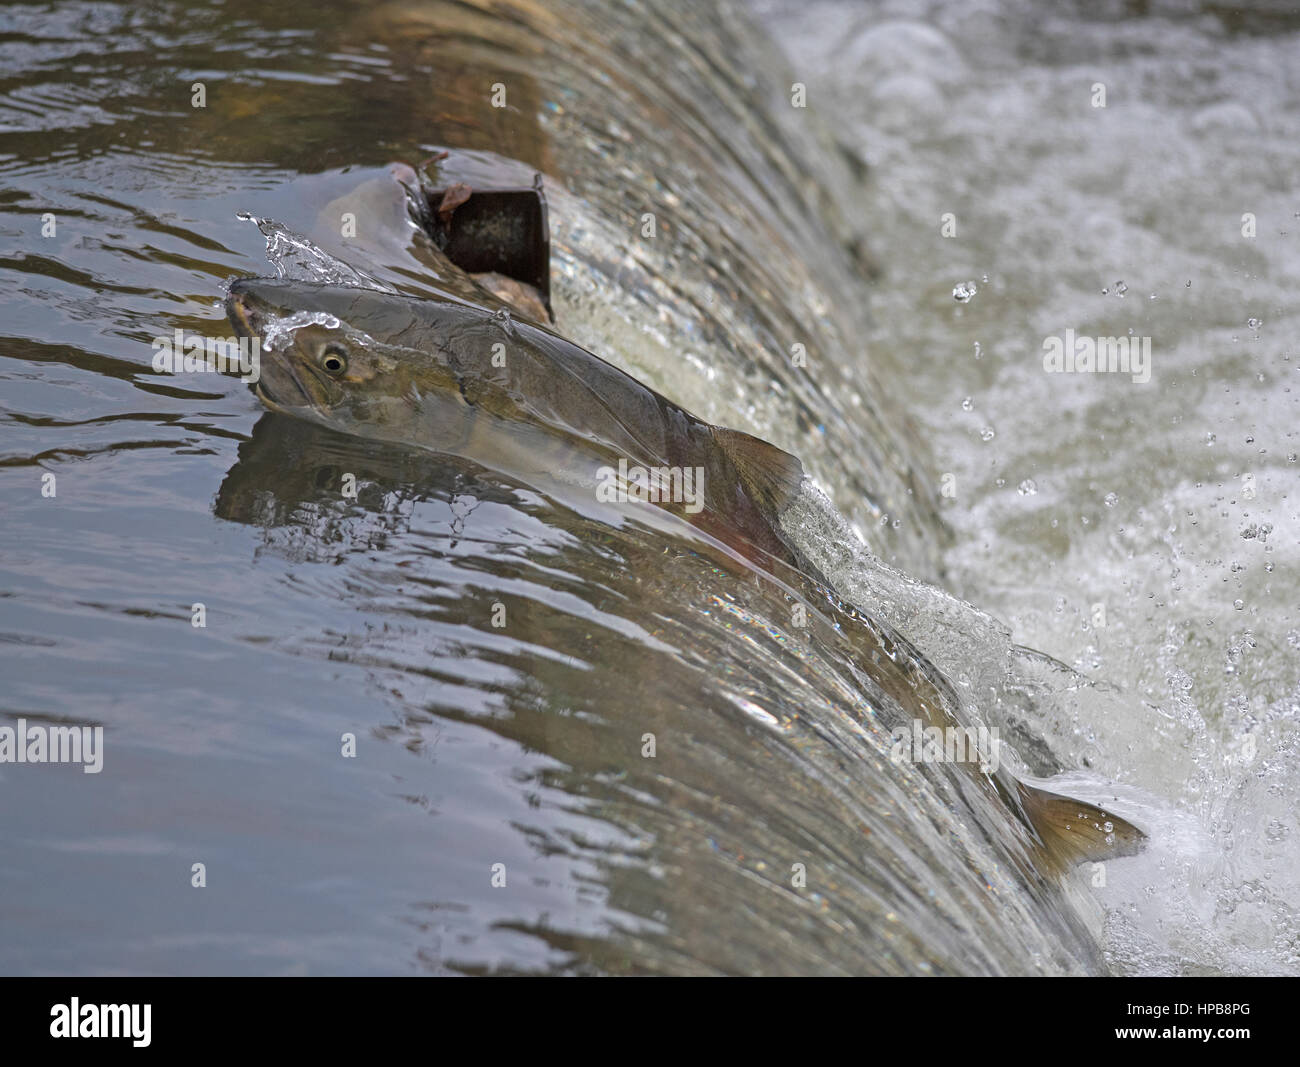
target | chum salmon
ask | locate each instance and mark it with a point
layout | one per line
(449, 376)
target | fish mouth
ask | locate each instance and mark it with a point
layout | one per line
(292, 375)
(272, 404)
(248, 323)
(241, 315)
(265, 398)
(300, 397)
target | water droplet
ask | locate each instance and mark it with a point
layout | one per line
(1210, 438)
(1111, 500)
(1121, 288)
(967, 404)
(979, 351)
(502, 315)
(1238, 605)
(987, 434)
(1027, 488)
(963, 291)
(1254, 324)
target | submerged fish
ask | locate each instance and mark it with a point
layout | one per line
(452, 377)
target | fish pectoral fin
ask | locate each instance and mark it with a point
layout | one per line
(1074, 831)
(771, 477)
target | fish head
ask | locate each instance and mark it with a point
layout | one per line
(337, 355)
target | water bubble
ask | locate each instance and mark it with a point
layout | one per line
(1210, 438)
(1027, 488)
(1254, 324)
(1238, 605)
(1121, 288)
(967, 404)
(502, 315)
(979, 352)
(963, 291)
(987, 434)
(1111, 500)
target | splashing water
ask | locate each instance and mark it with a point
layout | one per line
(368, 613)
(1119, 566)
(298, 258)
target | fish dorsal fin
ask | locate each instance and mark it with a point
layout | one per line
(772, 477)
(1073, 831)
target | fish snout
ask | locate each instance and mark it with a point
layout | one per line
(242, 312)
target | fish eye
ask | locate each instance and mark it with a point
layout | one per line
(334, 359)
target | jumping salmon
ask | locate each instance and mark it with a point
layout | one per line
(453, 377)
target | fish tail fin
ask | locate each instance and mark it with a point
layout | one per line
(1073, 831)
(772, 477)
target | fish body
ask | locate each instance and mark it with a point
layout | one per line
(454, 377)
(457, 377)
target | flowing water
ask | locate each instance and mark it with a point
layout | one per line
(517, 753)
(1145, 534)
